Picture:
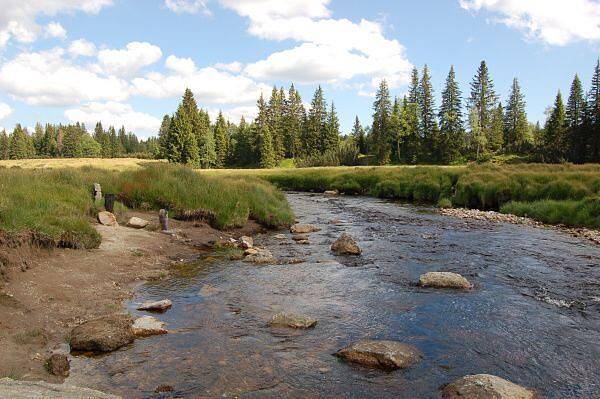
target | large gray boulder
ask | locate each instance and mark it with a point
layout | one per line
(42, 390)
(346, 245)
(444, 280)
(137, 223)
(387, 355)
(105, 334)
(486, 386)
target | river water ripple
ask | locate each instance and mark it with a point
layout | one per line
(533, 316)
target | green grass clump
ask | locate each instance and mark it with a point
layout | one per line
(585, 212)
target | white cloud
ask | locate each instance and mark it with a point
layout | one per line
(208, 84)
(115, 114)
(231, 67)
(56, 30)
(5, 111)
(269, 9)
(48, 78)
(128, 61)
(17, 19)
(234, 114)
(187, 6)
(556, 22)
(82, 47)
(183, 66)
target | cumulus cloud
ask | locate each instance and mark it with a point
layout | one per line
(83, 48)
(183, 66)
(128, 61)
(556, 22)
(54, 29)
(234, 114)
(231, 67)
(18, 17)
(208, 84)
(5, 111)
(187, 6)
(48, 78)
(114, 114)
(269, 9)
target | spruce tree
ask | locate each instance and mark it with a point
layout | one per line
(206, 141)
(38, 138)
(181, 142)
(413, 90)
(315, 129)
(275, 121)
(556, 132)
(163, 132)
(496, 135)
(382, 108)
(267, 154)
(483, 99)
(593, 117)
(397, 131)
(429, 127)
(409, 152)
(48, 144)
(221, 141)
(20, 144)
(358, 133)
(293, 118)
(452, 130)
(331, 139)
(515, 120)
(4, 145)
(575, 112)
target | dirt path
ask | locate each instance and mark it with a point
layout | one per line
(50, 292)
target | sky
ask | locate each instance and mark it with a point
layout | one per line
(127, 62)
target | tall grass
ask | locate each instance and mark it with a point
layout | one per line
(54, 207)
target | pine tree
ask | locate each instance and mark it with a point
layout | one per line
(331, 139)
(4, 145)
(315, 129)
(496, 135)
(181, 141)
(556, 132)
(413, 90)
(452, 128)
(20, 144)
(163, 132)
(267, 155)
(206, 141)
(358, 133)
(429, 127)
(409, 152)
(221, 141)
(275, 121)
(515, 120)
(477, 137)
(72, 142)
(576, 107)
(593, 117)
(123, 141)
(38, 137)
(294, 115)
(483, 99)
(397, 131)
(381, 119)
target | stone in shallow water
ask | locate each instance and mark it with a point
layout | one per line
(280, 236)
(58, 364)
(486, 386)
(147, 326)
(387, 355)
(105, 334)
(42, 390)
(156, 306)
(304, 228)
(346, 245)
(261, 257)
(300, 237)
(107, 219)
(246, 242)
(444, 280)
(292, 321)
(137, 223)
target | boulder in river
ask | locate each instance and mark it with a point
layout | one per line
(387, 355)
(346, 245)
(486, 386)
(292, 321)
(156, 306)
(331, 193)
(107, 219)
(104, 334)
(304, 228)
(280, 236)
(38, 389)
(58, 364)
(444, 280)
(137, 223)
(300, 237)
(260, 257)
(246, 242)
(146, 326)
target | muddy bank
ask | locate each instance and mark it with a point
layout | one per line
(45, 293)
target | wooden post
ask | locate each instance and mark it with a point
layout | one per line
(163, 217)
(97, 192)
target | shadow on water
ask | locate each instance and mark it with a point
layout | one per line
(533, 316)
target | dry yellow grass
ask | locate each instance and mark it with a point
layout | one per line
(117, 164)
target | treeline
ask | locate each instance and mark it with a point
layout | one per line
(74, 141)
(408, 130)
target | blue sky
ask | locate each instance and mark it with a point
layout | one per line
(128, 61)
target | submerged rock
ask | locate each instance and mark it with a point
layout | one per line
(331, 193)
(58, 364)
(250, 251)
(444, 280)
(156, 306)
(304, 228)
(137, 223)
(292, 321)
(280, 236)
(246, 242)
(486, 386)
(107, 219)
(38, 389)
(388, 355)
(105, 334)
(261, 257)
(346, 245)
(147, 325)
(300, 237)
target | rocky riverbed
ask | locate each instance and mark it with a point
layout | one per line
(527, 310)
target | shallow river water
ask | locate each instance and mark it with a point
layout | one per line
(533, 316)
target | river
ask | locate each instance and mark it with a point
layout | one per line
(533, 316)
